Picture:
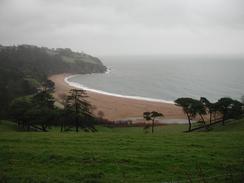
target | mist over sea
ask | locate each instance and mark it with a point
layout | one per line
(169, 77)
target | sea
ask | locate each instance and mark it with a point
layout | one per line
(166, 78)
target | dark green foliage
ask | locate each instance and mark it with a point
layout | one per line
(33, 112)
(39, 62)
(224, 106)
(152, 116)
(12, 84)
(43, 99)
(67, 118)
(191, 107)
(209, 107)
(48, 85)
(42, 112)
(38, 112)
(229, 108)
(80, 109)
(19, 108)
(236, 109)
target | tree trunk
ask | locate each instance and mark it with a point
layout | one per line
(28, 126)
(76, 112)
(152, 125)
(214, 116)
(189, 121)
(44, 127)
(210, 120)
(204, 121)
(76, 125)
(202, 118)
(62, 126)
(223, 120)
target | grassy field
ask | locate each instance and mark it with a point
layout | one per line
(123, 155)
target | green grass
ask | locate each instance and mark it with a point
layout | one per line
(121, 155)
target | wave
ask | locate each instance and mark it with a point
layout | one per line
(108, 71)
(80, 86)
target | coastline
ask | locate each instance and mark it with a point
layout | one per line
(118, 107)
(77, 85)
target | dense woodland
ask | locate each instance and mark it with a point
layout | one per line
(24, 68)
(38, 112)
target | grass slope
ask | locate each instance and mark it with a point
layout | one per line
(122, 155)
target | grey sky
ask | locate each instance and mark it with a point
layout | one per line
(107, 27)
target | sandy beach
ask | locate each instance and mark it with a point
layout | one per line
(117, 108)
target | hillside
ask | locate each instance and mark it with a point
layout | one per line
(122, 155)
(28, 59)
(23, 68)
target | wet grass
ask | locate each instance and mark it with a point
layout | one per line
(121, 154)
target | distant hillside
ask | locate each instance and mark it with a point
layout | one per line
(23, 68)
(28, 58)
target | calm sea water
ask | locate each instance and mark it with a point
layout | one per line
(168, 77)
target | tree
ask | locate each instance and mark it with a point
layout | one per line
(210, 107)
(229, 108)
(36, 111)
(242, 101)
(18, 110)
(191, 108)
(224, 105)
(152, 116)
(63, 98)
(40, 117)
(30, 115)
(82, 108)
(66, 118)
(48, 85)
(200, 109)
(44, 99)
(236, 109)
(186, 104)
(42, 112)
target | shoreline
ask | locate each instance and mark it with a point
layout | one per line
(117, 107)
(77, 85)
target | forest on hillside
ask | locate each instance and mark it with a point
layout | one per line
(24, 68)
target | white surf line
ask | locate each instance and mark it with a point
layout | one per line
(108, 71)
(80, 86)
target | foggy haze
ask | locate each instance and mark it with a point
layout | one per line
(110, 27)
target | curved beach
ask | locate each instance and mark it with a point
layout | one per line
(77, 85)
(118, 107)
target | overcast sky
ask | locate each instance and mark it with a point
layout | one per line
(108, 27)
